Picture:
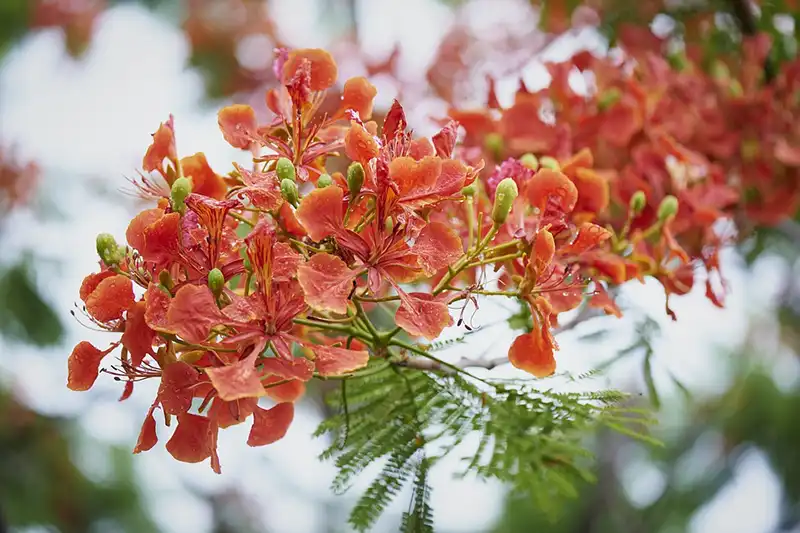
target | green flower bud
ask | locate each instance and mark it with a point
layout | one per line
(324, 181)
(608, 98)
(529, 161)
(289, 192)
(471, 189)
(108, 249)
(388, 224)
(181, 188)
(720, 71)
(504, 197)
(735, 89)
(355, 179)
(549, 162)
(668, 208)
(638, 202)
(285, 169)
(216, 281)
(493, 143)
(165, 279)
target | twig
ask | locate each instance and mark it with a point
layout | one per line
(464, 362)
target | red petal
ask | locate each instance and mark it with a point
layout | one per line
(192, 441)
(323, 67)
(601, 300)
(138, 337)
(445, 140)
(110, 298)
(359, 144)
(413, 176)
(547, 184)
(84, 366)
(421, 315)
(135, 231)
(589, 236)
(438, 247)
(321, 212)
(333, 361)
(286, 262)
(239, 380)
(395, 122)
(227, 414)
(161, 239)
(262, 189)
(211, 215)
(163, 147)
(533, 353)
(290, 391)
(205, 181)
(297, 368)
(147, 435)
(157, 304)
(193, 312)
(270, 425)
(238, 125)
(177, 389)
(419, 148)
(593, 191)
(357, 95)
(787, 154)
(327, 282)
(91, 282)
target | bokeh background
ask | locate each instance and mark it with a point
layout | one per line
(83, 83)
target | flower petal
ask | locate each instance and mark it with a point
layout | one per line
(323, 67)
(147, 435)
(109, 300)
(589, 236)
(532, 353)
(193, 312)
(327, 282)
(177, 387)
(239, 380)
(298, 368)
(357, 95)
(289, 391)
(205, 181)
(157, 302)
(162, 147)
(422, 315)
(138, 338)
(270, 425)
(548, 184)
(438, 247)
(135, 232)
(192, 441)
(238, 125)
(334, 361)
(227, 414)
(91, 282)
(359, 144)
(262, 188)
(84, 365)
(321, 212)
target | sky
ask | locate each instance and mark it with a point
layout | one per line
(88, 124)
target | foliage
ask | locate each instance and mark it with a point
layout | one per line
(24, 315)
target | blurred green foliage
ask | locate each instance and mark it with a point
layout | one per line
(24, 315)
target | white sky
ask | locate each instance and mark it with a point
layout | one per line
(89, 123)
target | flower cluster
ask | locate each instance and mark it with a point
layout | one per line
(236, 289)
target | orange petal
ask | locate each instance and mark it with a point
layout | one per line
(177, 389)
(157, 304)
(593, 191)
(321, 212)
(161, 239)
(589, 236)
(323, 67)
(138, 337)
(421, 147)
(298, 368)
(239, 380)
(410, 175)
(163, 147)
(290, 391)
(147, 435)
(192, 441)
(533, 353)
(327, 282)
(334, 361)
(238, 125)
(110, 298)
(83, 366)
(193, 312)
(437, 247)
(204, 180)
(359, 144)
(357, 95)
(270, 425)
(227, 414)
(91, 282)
(135, 231)
(549, 184)
(421, 315)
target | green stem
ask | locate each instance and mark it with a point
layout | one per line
(462, 263)
(496, 259)
(240, 218)
(363, 315)
(423, 353)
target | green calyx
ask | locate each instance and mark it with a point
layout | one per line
(108, 249)
(323, 181)
(355, 179)
(181, 188)
(284, 168)
(504, 197)
(289, 192)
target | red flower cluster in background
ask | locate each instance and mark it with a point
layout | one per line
(249, 284)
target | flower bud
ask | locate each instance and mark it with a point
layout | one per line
(165, 279)
(108, 249)
(638, 202)
(667, 208)
(324, 181)
(549, 162)
(216, 281)
(181, 188)
(289, 192)
(355, 179)
(493, 143)
(470, 190)
(504, 197)
(529, 161)
(388, 224)
(284, 168)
